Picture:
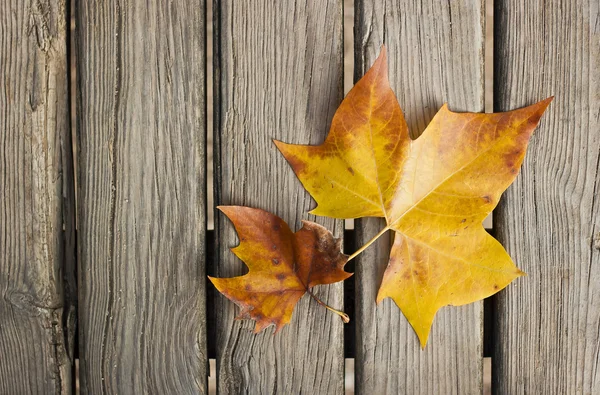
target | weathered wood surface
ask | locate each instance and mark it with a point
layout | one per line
(36, 203)
(547, 338)
(141, 118)
(435, 54)
(278, 74)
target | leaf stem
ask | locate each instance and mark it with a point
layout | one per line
(361, 249)
(342, 315)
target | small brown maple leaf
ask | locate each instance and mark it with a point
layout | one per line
(283, 266)
(434, 192)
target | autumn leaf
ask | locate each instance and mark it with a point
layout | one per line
(282, 265)
(434, 192)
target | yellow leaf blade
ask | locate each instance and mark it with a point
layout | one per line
(464, 156)
(434, 192)
(439, 212)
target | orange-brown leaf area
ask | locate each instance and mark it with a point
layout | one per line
(433, 192)
(282, 265)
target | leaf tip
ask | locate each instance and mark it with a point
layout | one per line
(545, 103)
(277, 329)
(262, 323)
(226, 209)
(379, 67)
(314, 211)
(229, 211)
(538, 109)
(380, 297)
(217, 283)
(281, 146)
(423, 336)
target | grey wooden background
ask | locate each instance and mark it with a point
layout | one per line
(106, 265)
(141, 183)
(548, 326)
(37, 233)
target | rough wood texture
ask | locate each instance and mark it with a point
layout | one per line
(547, 338)
(36, 201)
(278, 74)
(435, 56)
(141, 107)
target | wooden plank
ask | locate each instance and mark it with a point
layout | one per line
(141, 108)
(36, 203)
(278, 74)
(547, 338)
(435, 54)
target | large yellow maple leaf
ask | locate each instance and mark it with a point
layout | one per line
(434, 192)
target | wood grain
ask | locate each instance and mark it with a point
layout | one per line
(36, 201)
(435, 54)
(547, 338)
(141, 113)
(278, 74)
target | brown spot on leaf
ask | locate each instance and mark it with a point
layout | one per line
(275, 261)
(389, 147)
(351, 170)
(248, 287)
(280, 276)
(298, 165)
(496, 287)
(487, 199)
(512, 160)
